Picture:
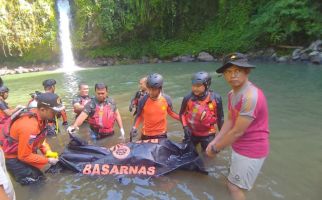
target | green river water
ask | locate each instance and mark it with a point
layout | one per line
(292, 171)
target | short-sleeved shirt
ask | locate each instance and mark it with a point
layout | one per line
(91, 106)
(250, 101)
(154, 115)
(3, 105)
(5, 181)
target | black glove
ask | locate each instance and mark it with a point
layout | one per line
(65, 124)
(133, 132)
(131, 107)
(187, 133)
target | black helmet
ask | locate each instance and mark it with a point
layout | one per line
(4, 89)
(155, 81)
(202, 78)
(48, 83)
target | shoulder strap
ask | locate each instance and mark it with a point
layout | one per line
(141, 105)
(184, 103)
(168, 99)
(23, 112)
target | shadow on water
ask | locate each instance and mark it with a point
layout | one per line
(292, 171)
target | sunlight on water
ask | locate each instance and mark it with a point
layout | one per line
(68, 63)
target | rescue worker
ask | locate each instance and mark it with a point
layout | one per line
(50, 87)
(80, 100)
(5, 111)
(153, 109)
(138, 95)
(201, 112)
(101, 113)
(26, 135)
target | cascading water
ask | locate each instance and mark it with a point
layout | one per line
(68, 63)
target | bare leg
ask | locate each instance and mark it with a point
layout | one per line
(236, 192)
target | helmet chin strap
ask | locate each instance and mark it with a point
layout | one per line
(201, 97)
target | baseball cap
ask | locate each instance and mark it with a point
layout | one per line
(50, 100)
(237, 59)
(48, 83)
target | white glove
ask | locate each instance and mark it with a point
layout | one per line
(72, 129)
(52, 161)
(122, 133)
(20, 106)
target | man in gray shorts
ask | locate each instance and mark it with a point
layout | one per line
(246, 128)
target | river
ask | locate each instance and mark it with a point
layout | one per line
(292, 171)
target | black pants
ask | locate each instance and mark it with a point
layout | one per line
(146, 137)
(203, 140)
(23, 173)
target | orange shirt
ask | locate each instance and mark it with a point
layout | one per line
(154, 116)
(24, 130)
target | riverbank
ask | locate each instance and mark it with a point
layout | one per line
(311, 54)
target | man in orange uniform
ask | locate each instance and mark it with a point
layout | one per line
(27, 134)
(153, 109)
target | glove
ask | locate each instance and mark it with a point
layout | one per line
(134, 132)
(65, 124)
(72, 130)
(122, 132)
(131, 107)
(52, 161)
(20, 106)
(187, 133)
(51, 154)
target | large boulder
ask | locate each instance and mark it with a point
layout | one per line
(296, 54)
(316, 57)
(205, 57)
(282, 59)
(304, 57)
(316, 46)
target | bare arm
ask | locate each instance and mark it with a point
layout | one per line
(9, 112)
(231, 135)
(80, 119)
(118, 118)
(78, 107)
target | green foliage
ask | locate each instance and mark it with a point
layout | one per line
(156, 28)
(220, 35)
(287, 21)
(25, 25)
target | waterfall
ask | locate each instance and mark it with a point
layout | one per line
(68, 63)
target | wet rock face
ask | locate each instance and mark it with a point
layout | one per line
(311, 54)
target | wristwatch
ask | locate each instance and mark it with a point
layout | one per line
(214, 149)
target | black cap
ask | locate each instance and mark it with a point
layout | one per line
(4, 89)
(237, 59)
(50, 100)
(48, 83)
